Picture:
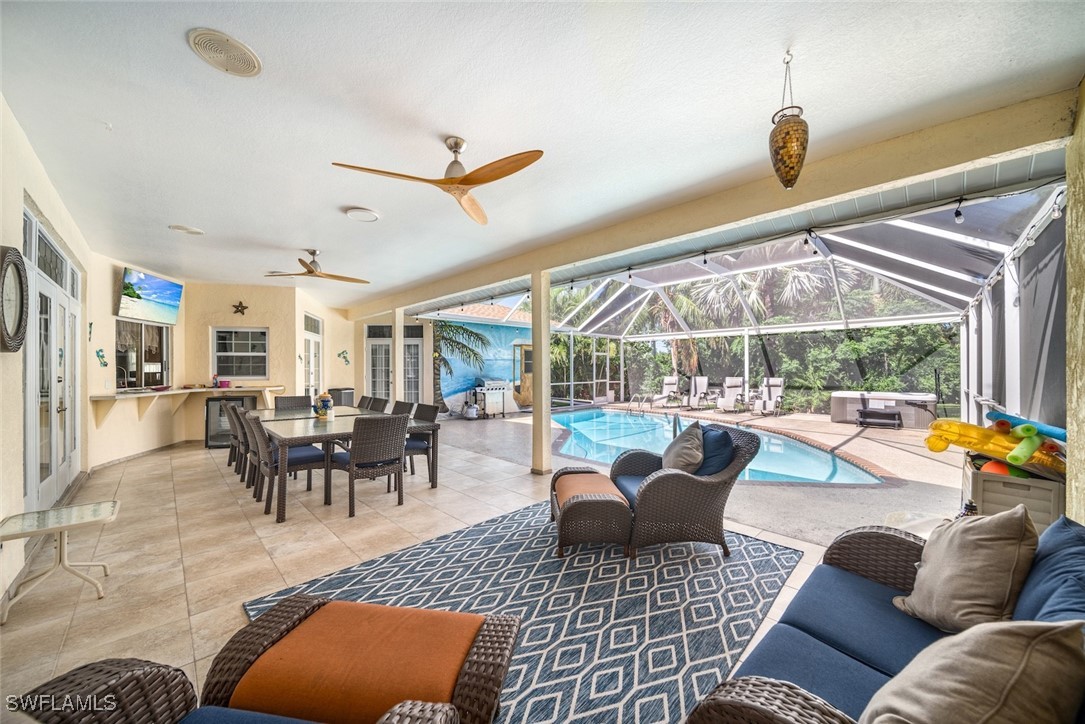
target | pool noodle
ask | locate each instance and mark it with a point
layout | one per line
(1024, 450)
(1058, 433)
(1001, 425)
(1023, 431)
(943, 433)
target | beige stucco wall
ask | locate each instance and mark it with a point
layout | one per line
(122, 433)
(1075, 315)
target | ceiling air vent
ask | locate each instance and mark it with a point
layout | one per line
(223, 52)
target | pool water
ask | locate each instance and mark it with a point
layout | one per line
(602, 435)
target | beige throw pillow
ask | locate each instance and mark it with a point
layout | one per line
(997, 673)
(685, 451)
(972, 570)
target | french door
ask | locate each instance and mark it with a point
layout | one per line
(380, 369)
(52, 455)
(313, 356)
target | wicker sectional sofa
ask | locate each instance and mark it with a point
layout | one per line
(841, 639)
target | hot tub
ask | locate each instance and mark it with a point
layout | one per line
(916, 409)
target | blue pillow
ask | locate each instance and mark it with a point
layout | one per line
(1059, 559)
(719, 450)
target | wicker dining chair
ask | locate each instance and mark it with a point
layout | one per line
(363, 402)
(421, 443)
(239, 440)
(301, 457)
(376, 451)
(402, 408)
(378, 404)
(279, 664)
(293, 402)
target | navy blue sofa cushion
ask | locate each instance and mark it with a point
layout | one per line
(719, 450)
(793, 655)
(629, 485)
(343, 458)
(856, 616)
(1053, 584)
(416, 443)
(221, 715)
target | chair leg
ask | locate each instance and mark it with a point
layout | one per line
(429, 468)
(350, 497)
(561, 551)
(232, 456)
(258, 488)
(272, 480)
(399, 486)
(411, 458)
(726, 550)
(308, 479)
(630, 552)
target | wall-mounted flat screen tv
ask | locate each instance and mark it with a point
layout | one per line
(149, 298)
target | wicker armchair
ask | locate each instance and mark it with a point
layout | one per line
(673, 506)
(885, 555)
(145, 692)
(301, 457)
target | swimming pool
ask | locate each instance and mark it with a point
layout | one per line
(602, 435)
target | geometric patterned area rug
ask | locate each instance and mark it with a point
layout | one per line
(603, 638)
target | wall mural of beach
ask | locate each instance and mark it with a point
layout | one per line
(149, 298)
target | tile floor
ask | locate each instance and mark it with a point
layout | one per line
(190, 545)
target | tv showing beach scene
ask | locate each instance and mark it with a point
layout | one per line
(149, 298)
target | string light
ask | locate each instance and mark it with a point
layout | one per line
(704, 255)
(1056, 211)
(630, 270)
(958, 215)
(571, 284)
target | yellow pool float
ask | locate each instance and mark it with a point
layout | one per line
(944, 433)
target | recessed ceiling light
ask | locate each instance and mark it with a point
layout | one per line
(360, 214)
(182, 229)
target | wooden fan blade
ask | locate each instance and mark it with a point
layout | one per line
(309, 269)
(285, 274)
(471, 205)
(500, 169)
(390, 174)
(338, 278)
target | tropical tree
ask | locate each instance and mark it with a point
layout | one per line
(457, 341)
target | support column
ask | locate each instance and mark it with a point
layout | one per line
(1011, 306)
(746, 366)
(540, 378)
(396, 363)
(621, 370)
(1075, 315)
(572, 371)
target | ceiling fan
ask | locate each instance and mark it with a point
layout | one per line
(312, 269)
(457, 181)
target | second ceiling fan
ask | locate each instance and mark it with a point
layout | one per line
(457, 181)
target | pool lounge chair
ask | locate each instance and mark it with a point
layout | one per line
(669, 392)
(732, 399)
(698, 387)
(772, 396)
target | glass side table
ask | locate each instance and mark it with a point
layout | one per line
(57, 521)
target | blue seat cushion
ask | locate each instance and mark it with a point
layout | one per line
(1054, 582)
(343, 459)
(719, 451)
(629, 485)
(792, 655)
(856, 616)
(300, 455)
(221, 715)
(417, 444)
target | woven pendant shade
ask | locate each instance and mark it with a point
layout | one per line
(787, 144)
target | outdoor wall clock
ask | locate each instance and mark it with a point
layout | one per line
(14, 310)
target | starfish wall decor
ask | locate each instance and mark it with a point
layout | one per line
(240, 308)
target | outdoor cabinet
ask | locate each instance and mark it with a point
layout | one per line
(993, 493)
(216, 426)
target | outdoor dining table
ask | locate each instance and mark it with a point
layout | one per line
(270, 415)
(311, 430)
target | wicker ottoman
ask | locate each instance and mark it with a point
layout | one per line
(588, 508)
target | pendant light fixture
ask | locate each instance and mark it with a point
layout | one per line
(790, 134)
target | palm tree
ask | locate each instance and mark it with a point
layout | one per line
(460, 342)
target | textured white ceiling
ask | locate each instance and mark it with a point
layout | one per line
(636, 106)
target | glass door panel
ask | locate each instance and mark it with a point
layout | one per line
(45, 388)
(380, 369)
(61, 388)
(412, 372)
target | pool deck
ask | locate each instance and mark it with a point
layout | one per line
(916, 480)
